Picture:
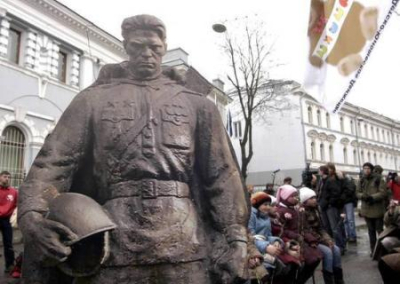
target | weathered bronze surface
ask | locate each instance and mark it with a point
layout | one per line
(156, 156)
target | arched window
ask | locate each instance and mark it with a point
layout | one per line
(355, 157)
(345, 160)
(313, 151)
(388, 137)
(341, 124)
(322, 151)
(310, 120)
(383, 136)
(328, 121)
(369, 157)
(365, 131)
(12, 150)
(331, 159)
(372, 133)
(362, 157)
(352, 127)
(375, 159)
(319, 118)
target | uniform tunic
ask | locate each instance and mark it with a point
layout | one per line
(160, 184)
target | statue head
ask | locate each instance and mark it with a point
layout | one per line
(144, 41)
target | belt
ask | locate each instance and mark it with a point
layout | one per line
(149, 188)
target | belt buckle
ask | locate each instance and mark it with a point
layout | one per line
(149, 189)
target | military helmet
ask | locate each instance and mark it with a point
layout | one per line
(89, 221)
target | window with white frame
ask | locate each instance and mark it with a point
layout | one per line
(378, 137)
(372, 133)
(383, 136)
(362, 157)
(319, 118)
(322, 151)
(237, 129)
(328, 121)
(352, 129)
(341, 124)
(345, 159)
(12, 153)
(375, 159)
(369, 157)
(310, 116)
(355, 157)
(365, 130)
(62, 65)
(331, 156)
(14, 45)
(313, 151)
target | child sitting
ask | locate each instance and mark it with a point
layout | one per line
(316, 236)
(293, 230)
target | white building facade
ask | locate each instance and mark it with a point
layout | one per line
(48, 53)
(287, 141)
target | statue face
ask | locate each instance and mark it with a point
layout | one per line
(145, 50)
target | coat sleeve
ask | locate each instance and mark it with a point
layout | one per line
(225, 194)
(381, 194)
(359, 192)
(53, 169)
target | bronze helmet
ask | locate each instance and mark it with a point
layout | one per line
(89, 221)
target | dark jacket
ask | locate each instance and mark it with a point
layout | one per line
(372, 192)
(293, 229)
(330, 192)
(349, 192)
(313, 229)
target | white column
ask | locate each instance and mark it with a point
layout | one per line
(31, 50)
(4, 33)
(75, 69)
(53, 53)
(87, 70)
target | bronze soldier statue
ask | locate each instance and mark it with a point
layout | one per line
(156, 157)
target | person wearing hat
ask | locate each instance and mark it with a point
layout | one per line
(260, 224)
(371, 190)
(269, 245)
(293, 229)
(315, 235)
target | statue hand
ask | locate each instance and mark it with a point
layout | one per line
(47, 238)
(233, 264)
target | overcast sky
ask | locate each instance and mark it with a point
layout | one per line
(189, 27)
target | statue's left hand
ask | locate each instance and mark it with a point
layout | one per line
(233, 264)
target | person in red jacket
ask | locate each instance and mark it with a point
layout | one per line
(394, 185)
(8, 202)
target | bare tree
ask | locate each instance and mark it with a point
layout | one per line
(251, 57)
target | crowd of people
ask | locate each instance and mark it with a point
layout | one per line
(296, 229)
(293, 230)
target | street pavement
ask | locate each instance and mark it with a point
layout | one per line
(357, 265)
